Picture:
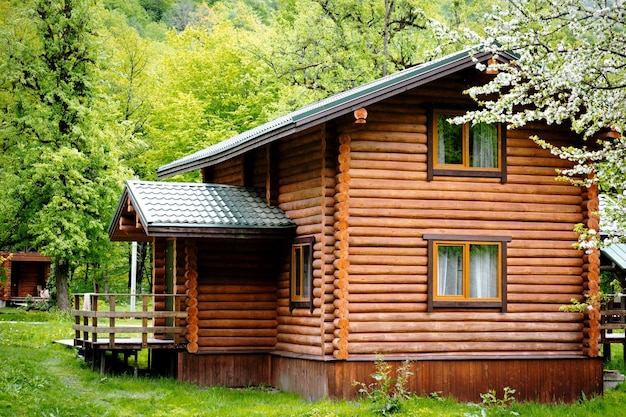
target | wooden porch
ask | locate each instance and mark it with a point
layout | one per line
(119, 329)
(613, 324)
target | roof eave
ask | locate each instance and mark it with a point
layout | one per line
(457, 62)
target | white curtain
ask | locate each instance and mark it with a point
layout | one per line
(450, 270)
(484, 145)
(483, 271)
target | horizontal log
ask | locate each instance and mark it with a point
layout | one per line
(543, 253)
(388, 288)
(388, 146)
(462, 196)
(441, 204)
(299, 339)
(236, 305)
(481, 336)
(415, 116)
(386, 348)
(386, 241)
(386, 298)
(298, 176)
(467, 316)
(543, 298)
(408, 126)
(467, 214)
(251, 342)
(486, 224)
(307, 203)
(302, 330)
(460, 327)
(544, 279)
(302, 349)
(244, 298)
(389, 137)
(544, 270)
(361, 308)
(555, 262)
(454, 185)
(225, 323)
(419, 158)
(387, 260)
(537, 161)
(530, 307)
(385, 251)
(222, 288)
(389, 167)
(532, 179)
(237, 333)
(387, 269)
(388, 174)
(260, 315)
(408, 279)
(313, 183)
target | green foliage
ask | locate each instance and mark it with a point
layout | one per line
(387, 393)
(492, 406)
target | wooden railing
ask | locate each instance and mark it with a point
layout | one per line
(119, 328)
(613, 323)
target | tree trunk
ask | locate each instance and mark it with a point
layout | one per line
(62, 274)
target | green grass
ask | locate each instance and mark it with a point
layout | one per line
(42, 379)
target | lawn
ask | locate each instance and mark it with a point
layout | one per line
(41, 378)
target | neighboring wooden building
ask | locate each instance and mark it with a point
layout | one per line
(403, 236)
(26, 273)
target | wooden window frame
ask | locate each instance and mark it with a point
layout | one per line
(295, 300)
(434, 169)
(466, 303)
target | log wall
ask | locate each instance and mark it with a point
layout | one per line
(306, 186)
(391, 207)
(236, 295)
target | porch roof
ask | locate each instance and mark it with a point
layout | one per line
(148, 209)
(616, 253)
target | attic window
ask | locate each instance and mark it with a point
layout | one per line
(470, 149)
(301, 273)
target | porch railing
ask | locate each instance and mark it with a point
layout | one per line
(115, 326)
(613, 323)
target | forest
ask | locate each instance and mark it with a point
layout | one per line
(93, 93)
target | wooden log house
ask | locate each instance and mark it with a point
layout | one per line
(394, 236)
(23, 274)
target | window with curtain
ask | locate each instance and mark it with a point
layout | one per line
(470, 146)
(467, 271)
(301, 285)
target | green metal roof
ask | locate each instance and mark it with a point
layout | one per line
(327, 109)
(616, 253)
(200, 209)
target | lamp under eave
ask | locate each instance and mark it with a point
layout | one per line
(491, 66)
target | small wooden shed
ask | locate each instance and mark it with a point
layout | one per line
(397, 233)
(25, 273)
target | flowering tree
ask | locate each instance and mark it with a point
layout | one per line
(570, 68)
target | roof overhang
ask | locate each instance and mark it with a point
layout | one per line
(331, 108)
(616, 252)
(148, 210)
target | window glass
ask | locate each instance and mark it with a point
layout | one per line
(483, 145)
(483, 275)
(449, 141)
(450, 270)
(467, 271)
(467, 146)
(301, 273)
